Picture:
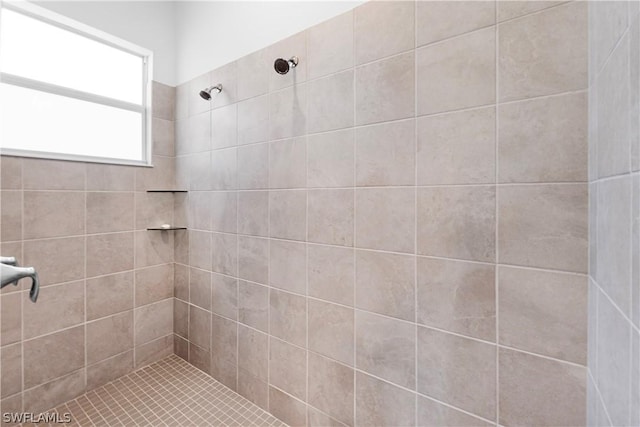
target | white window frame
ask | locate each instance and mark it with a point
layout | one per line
(60, 21)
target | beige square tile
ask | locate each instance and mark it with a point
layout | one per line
(53, 356)
(320, 419)
(457, 371)
(385, 283)
(181, 281)
(544, 140)
(199, 133)
(288, 112)
(285, 48)
(385, 154)
(200, 358)
(330, 46)
(164, 100)
(253, 259)
(457, 296)
(383, 29)
(531, 387)
(200, 210)
(57, 260)
(201, 171)
(253, 305)
(559, 61)
(224, 169)
(514, 9)
(109, 253)
(59, 306)
(287, 408)
(253, 388)
(224, 350)
(152, 209)
(288, 368)
(331, 388)
(224, 211)
(153, 321)
(110, 177)
(200, 328)
(253, 77)
(543, 226)
(109, 370)
(333, 103)
(445, 211)
(153, 284)
(385, 90)
(109, 212)
(253, 172)
(200, 249)
(181, 318)
(253, 213)
(161, 176)
(181, 347)
(287, 317)
(288, 265)
(44, 209)
(163, 137)
(110, 294)
(253, 120)
(11, 215)
(11, 369)
(11, 320)
(37, 175)
(457, 73)
(55, 392)
(153, 351)
(252, 353)
(109, 336)
(287, 163)
(380, 403)
(224, 251)
(440, 20)
(432, 413)
(385, 219)
(457, 148)
(330, 216)
(224, 126)
(330, 159)
(331, 273)
(288, 214)
(544, 312)
(608, 22)
(331, 330)
(11, 173)
(224, 296)
(200, 288)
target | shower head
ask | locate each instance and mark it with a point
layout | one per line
(206, 93)
(282, 66)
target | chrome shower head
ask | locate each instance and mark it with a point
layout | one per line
(206, 93)
(282, 66)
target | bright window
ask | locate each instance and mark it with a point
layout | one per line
(68, 91)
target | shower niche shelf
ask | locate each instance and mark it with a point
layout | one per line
(167, 191)
(172, 227)
(166, 229)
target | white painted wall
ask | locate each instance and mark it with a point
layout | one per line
(150, 24)
(213, 33)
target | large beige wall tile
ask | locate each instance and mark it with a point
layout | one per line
(253, 388)
(153, 248)
(457, 148)
(253, 305)
(153, 351)
(11, 216)
(224, 253)
(161, 176)
(58, 307)
(435, 20)
(11, 320)
(537, 391)
(11, 173)
(383, 28)
(385, 283)
(386, 348)
(109, 212)
(153, 321)
(330, 273)
(110, 177)
(512, 9)
(332, 105)
(109, 370)
(53, 214)
(224, 296)
(385, 154)
(457, 73)
(432, 413)
(457, 296)
(287, 408)
(331, 330)
(380, 403)
(288, 112)
(608, 22)
(330, 46)
(543, 312)
(287, 317)
(317, 418)
(330, 216)
(51, 394)
(253, 213)
(457, 222)
(224, 211)
(288, 214)
(253, 77)
(181, 318)
(543, 226)
(200, 249)
(57, 260)
(224, 127)
(38, 175)
(331, 388)
(253, 259)
(53, 356)
(385, 90)
(330, 159)
(109, 253)
(153, 209)
(544, 140)
(287, 265)
(109, 295)
(287, 163)
(163, 137)
(253, 352)
(153, 284)
(200, 210)
(224, 350)
(543, 53)
(11, 369)
(109, 336)
(288, 368)
(181, 281)
(224, 174)
(457, 371)
(199, 133)
(385, 219)
(253, 120)
(164, 100)
(253, 172)
(200, 327)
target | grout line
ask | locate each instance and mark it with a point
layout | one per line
(497, 214)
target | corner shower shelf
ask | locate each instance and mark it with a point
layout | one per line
(166, 229)
(167, 191)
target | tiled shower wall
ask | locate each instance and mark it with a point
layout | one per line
(614, 144)
(106, 301)
(395, 232)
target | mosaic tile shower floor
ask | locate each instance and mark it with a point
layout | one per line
(170, 392)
